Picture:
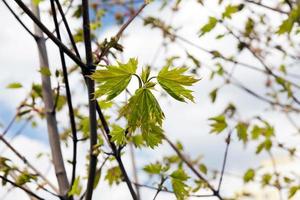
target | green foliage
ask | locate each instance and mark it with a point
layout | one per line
(209, 26)
(288, 24)
(24, 178)
(265, 145)
(241, 129)
(118, 135)
(293, 190)
(203, 168)
(231, 9)
(37, 2)
(249, 175)
(15, 85)
(153, 168)
(180, 188)
(173, 82)
(218, 124)
(143, 111)
(266, 178)
(45, 71)
(114, 79)
(97, 177)
(213, 94)
(76, 188)
(114, 175)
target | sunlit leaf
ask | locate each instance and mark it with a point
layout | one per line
(173, 82)
(114, 79)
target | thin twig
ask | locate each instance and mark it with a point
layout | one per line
(18, 19)
(228, 140)
(21, 187)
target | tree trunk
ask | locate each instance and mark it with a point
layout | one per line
(48, 99)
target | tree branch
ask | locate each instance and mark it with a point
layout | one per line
(92, 102)
(21, 187)
(68, 95)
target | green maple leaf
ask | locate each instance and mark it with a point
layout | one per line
(209, 26)
(114, 79)
(180, 188)
(173, 82)
(218, 124)
(153, 168)
(152, 134)
(113, 175)
(143, 111)
(118, 135)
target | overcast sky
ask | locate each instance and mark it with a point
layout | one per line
(186, 122)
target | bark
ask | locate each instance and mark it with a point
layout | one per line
(48, 99)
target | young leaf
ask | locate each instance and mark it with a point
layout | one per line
(145, 74)
(249, 175)
(143, 111)
(212, 22)
(218, 124)
(293, 190)
(113, 175)
(231, 9)
(76, 188)
(45, 71)
(288, 24)
(173, 82)
(153, 168)
(15, 85)
(241, 129)
(118, 135)
(178, 179)
(152, 134)
(114, 79)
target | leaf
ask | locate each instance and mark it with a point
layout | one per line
(45, 71)
(249, 175)
(152, 134)
(231, 9)
(180, 188)
(114, 79)
(213, 95)
(266, 178)
(293, 190)
(153, 168)
(97, 178)
(218, 124)
(118, 135)
(25, 177)
(145, 74)
(209, 26)
(37, 2)
(15, 85)
(203, 168)
(287, 25)
(76, 188)
(143, 111)
(173, 82)
(113, 175)
(138, 141)
(241, 129)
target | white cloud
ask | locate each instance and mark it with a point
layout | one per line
(185, 122)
